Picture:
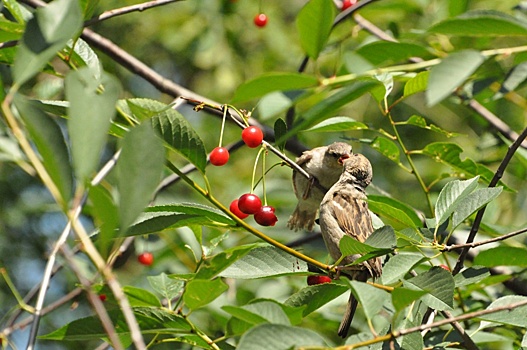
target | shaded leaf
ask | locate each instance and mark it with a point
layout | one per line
(338, 124)
(451, 73)
(139, 297)
(106, 217)
(449, 154)
(264, 262)
(199, 293)
(50, 143)
(471, 275)
(46, 33)
(280, 129)
(473, 202)
(502, 256)
(150, 320)
(278, 337)
(513, 79)
(167, 287)
(395, 210)
(515, 317)
(313, 297)
(398, 266)
(439, 284)
(88, 126)
(314, 23)
(411, 341)
(481, 23)
(372, 299)
(451, 196)
(139, 170)
(381, 53)
(270, 82)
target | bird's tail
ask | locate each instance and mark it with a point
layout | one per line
(351, 308)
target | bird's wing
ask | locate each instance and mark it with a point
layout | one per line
(353, 217)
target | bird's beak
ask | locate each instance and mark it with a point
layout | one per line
(342, 158)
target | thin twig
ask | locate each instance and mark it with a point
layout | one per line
(127, 9)
(420, 328)
(487, 241)
(479, 216)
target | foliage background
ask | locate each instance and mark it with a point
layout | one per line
(211, 47)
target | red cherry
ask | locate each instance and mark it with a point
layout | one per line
(249, 203)
(252, 136)
(347, 3)
(219, 156)
(260, 20)
(265, 216)
(313, 280)
(236, 211)
(146, 258)
(444, 267)
(102, 297)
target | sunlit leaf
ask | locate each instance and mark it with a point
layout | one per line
(199, 293)
(451, 196)
(416, 84)
(502, 256)
(439, 284)
(313, 297)
(314, 22)
(338, 124)
(278, 337)
(481, 23)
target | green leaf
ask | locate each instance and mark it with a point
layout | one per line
(271, 82)
(330, 105)
(199, 293)
(514, 78)
(410, 341)
(83, 55)
(451, 196)
(88, 126)
(379, 243)
(106, 217)
(264, 261)
(46, 33)
(167, 287)
(210, 213)
(10, 30)
(473, 202)
(402, 297)
(17, 10)
(314, 297)
(439, 284)
(481, 23)
(171, 125)
(156, 222)
(449, 154)
(387, 148)
(139, 297)
(451, 73)
(502, 256)
(420, 122)
(139, 170)
(372, 299)
(398, 266)
(515, 317)
(151, 320)
(338, 124)
(381, 53)
(394, 210)
(50, 143)
(260, 311)
(278, 337)
(416, 84)
(314, 23)
(471, 275)
(211, 267)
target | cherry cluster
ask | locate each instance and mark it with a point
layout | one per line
(252, 136)
(251, 204)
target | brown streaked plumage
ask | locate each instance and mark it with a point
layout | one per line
(344, 211)
(324, 164)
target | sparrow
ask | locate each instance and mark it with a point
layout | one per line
(324, 164)
(344, 211)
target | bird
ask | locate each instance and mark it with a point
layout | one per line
(344, 211)
(324, 165)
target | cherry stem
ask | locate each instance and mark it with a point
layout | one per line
(254, 171)
(263, 174)
(225, 108)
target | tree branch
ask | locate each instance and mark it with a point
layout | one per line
(127, 9)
